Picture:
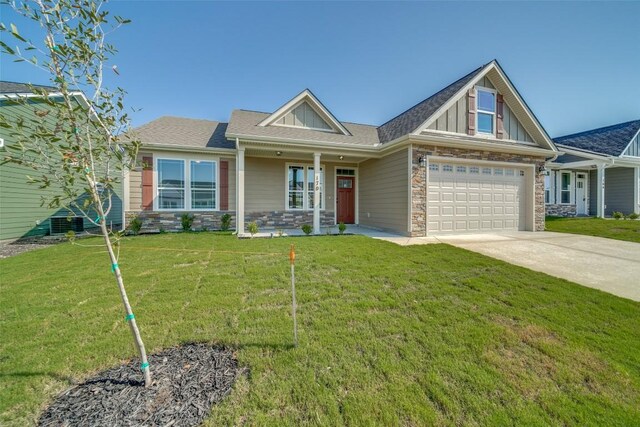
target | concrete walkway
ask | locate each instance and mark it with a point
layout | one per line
(609, 265)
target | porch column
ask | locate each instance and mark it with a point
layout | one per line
(636, 190)
(240, 191)
(600, 191)
(316, 193)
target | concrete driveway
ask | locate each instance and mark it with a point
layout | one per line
(609, 265)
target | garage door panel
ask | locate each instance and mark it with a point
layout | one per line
(467, 198)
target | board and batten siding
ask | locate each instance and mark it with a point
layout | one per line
(634, 147)
(304, 116)
(135, 176)
(618, 190)
(384, 192)
(456, 118)
(21, 210)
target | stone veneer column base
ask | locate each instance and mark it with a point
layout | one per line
(561, 210)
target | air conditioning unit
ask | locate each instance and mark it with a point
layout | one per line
(64, 224)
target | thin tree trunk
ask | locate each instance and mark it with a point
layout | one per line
(127, 307)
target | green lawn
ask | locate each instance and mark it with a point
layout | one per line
(389, 335)
(628, 230)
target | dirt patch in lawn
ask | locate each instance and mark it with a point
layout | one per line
(187, 382)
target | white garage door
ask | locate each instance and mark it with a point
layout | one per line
(467, 198)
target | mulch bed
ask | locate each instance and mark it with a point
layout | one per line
(187, 382)
(25, 245)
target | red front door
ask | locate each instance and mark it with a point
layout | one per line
(346, 200)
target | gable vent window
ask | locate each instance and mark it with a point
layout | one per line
(486, 109)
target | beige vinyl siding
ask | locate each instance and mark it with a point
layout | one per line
(266, 183)
(513, 129)
(618, 190)
(135, 177)
(304, 116)
(455, 119)
(384, 192)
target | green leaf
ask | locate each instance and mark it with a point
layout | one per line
(7, 48)
(16, 34)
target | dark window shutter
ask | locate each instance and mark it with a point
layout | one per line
(224, 185)
(147, 183)
(499, 117)
(471, 129)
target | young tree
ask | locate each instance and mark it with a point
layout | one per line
(73, 140)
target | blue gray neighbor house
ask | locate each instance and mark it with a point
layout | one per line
(598, 174)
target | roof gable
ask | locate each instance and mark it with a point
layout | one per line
(307, 112)
(609, 140)
(410, 120)
(422, 116)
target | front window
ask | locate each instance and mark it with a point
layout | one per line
(565, 189)
(186, 184)
(171, 184)
(203, 185)
(300, 187)
(486, 110)
(547, 189)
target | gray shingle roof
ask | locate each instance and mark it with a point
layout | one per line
(408, 121)
(245, 122)
(14, 87)
(183, 132)
(609, 140)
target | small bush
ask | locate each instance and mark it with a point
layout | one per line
(253, 228)
(633, 215)
(342, 227)
(204, 229)
(225, 222)
(618, 215)
(135, 225)
(161, 230)
(187, 221)
(307, 229)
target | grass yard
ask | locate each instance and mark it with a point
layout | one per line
(389, 335)
(628, 230)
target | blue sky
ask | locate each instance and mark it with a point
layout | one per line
(577, 64)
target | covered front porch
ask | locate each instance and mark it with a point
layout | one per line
(280, 187)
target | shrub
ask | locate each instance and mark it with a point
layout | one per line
(161, 230)
(225, 222)
(204, 229)
(633, 215)
(342, 227)
(187, 221)
(618, 215)
(307, 229)
(253, 228)
(135, 225)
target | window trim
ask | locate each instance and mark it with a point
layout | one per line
(570, 188)
(479, 111)
(305, 203)
(187, 182)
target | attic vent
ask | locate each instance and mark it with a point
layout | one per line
(63, 224)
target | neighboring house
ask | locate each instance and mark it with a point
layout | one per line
(599, 173)
(467, 159)
(21, 213)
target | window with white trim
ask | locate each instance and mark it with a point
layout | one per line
(203, 184)
(565, 187)
(485, 110)
(300, 190)
(547, 189)
(171, 184)
(185, 184)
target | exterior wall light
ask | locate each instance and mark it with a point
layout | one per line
(421, 160)
(278, 153)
